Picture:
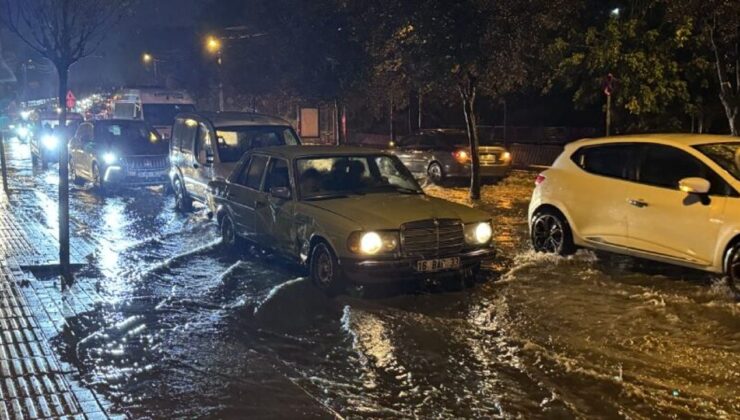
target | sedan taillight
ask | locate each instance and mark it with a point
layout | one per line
(461, 156)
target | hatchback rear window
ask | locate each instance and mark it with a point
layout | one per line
(613, 160)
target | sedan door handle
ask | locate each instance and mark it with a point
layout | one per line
(637, 203)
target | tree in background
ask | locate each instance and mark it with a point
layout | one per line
(62, 31)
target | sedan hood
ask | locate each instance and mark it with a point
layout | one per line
(390, 211)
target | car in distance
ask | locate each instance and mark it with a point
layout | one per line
(442, 154)
(206, 146)
(666, 197)
(352, 216)
(47, 137)
(118, 153)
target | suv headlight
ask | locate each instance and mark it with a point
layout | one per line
(50, 141)
(373, 243)
(110, 158)
(478, 233)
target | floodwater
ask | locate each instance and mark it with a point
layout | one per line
(184, 329)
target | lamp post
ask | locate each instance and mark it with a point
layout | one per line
(214, 46)
(147, 59)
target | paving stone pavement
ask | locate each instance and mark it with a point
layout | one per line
(34, 383)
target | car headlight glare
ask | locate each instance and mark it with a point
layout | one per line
(478, 233)
(109, 158)
(50, 142)
(372, 243)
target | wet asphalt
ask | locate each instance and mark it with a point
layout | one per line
(184, 328)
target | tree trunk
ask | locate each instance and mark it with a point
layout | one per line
(729, 97)
(63, 72)
(468, 93)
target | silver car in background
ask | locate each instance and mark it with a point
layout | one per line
(442, 154)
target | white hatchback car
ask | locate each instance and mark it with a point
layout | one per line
(667, 197)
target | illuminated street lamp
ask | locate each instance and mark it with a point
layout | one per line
(214, 46)
(615, 12)
(147, 59)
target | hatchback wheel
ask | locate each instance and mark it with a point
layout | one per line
(551, 233)
(732, 267)
(183, 202)
(435, 173)
(325, 271)
(98, 181)
(73, 178)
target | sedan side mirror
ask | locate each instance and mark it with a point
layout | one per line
(282, 193)
(694, 185)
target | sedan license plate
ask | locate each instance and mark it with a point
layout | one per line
(431, 266)
(489, 158)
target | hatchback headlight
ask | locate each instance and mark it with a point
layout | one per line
(110, 158)
(50, 142)
(372, 243)
(478, 233)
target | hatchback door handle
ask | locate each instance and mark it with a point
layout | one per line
(637, 203)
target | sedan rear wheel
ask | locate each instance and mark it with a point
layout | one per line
(435, 173)
(551, 234)
(324, 269)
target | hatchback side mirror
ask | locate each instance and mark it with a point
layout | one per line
(694, 185)
(282, 193)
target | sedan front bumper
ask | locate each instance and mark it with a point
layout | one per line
(486, 171)
(379, 271)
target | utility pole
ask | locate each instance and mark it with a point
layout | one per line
(4, 165)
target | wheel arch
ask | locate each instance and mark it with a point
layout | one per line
(722, 263)
(559, 210)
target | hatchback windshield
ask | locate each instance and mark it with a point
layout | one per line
(233, 142)
(164, 114)
(131, 138)
(332, 177)
(726, 155)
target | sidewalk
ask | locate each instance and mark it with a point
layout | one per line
(33, 382)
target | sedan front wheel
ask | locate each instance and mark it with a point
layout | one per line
(325, 271)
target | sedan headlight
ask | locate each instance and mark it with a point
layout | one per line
(478, 233)
(50, 142)
(109, 158)
(372, 243)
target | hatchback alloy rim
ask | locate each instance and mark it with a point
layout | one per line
(547, 234)
(734, 271)
(324, 269)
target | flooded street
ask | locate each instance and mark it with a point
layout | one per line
(182, 328)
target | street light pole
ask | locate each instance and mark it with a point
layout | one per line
(220, 81)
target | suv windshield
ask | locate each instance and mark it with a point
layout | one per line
(131, 138)
(726, 155)
(164, 114)
(340, 176)
(233, 142)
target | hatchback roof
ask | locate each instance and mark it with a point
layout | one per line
(230, 119)
(293, 152)
(674, 139)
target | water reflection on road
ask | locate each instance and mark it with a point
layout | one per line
(185, 329)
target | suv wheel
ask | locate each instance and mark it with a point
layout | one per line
(436, 173)
(228, 233)
(732, 267)
(183, 202)
(551, 233)
(324, 270)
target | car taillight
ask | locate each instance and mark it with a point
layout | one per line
(461, 156)
(539, 180)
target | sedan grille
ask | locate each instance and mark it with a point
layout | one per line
(432, 238)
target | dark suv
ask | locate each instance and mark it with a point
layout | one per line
(118, 153)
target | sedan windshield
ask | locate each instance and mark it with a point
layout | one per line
(233, 142)
(726, 155)
(341, 176)
(131, 138)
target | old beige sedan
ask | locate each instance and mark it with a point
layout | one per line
(351, 215)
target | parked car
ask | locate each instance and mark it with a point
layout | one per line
(47, 137)
(441, 154)
(670, 198)
(207, 146)
(118, 153)
(351, 215)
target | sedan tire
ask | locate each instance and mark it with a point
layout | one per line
(325, 271)
(436, 173)
(551, 233)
